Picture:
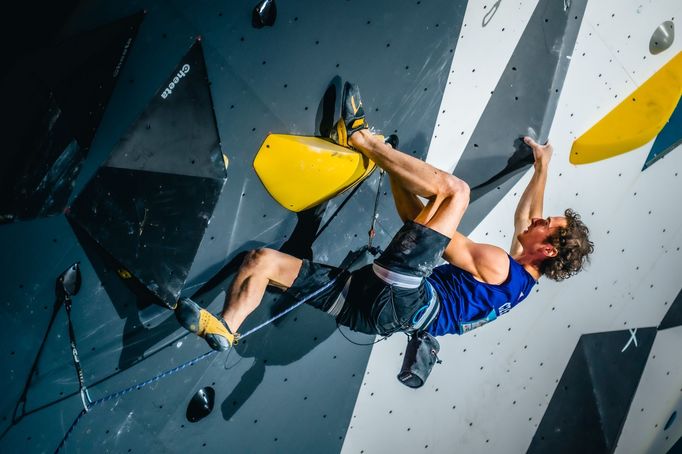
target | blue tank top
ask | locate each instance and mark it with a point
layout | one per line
(467, 303)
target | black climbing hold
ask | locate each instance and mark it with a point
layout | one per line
(264, 14)
(392, 140)
(671, 420)
(143, 186)
(201, 404)
(69, 282)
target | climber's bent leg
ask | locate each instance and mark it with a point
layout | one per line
(411, 303)
(447, 195)
(260, 268)
(415, 175)
(407, 204)
(322, 286)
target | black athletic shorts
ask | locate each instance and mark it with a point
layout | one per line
(372, 304)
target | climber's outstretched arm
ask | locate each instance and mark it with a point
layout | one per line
(531, 203)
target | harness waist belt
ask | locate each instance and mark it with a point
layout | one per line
(397, 279)
(427, 313)
(424, 316)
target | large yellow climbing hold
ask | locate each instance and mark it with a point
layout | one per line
(301, 172)
(636, 120)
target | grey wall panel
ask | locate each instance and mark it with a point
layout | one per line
(292, 386)
(523, 103)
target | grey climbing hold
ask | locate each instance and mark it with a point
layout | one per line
(662, 38)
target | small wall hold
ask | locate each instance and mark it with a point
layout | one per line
(201, 404)
(69, 282)
(662, 38)
(671, 420)
(264, 14)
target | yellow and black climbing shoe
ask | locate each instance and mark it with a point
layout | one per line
(352, 115)
(202, 323)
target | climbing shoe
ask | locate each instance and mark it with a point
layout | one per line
(352, 115)
(202, 323)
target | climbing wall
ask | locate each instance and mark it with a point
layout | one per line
(459, 82)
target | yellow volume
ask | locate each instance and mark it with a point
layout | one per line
(301, 171)
(636, 120)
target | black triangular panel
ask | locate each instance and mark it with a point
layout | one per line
(83, 75)
(523, 103)
(615, 373)
(571, 410)
(57, 98)
(674, 315)
(152, 223)
(177, 132)
(592, 399)
(149, 206)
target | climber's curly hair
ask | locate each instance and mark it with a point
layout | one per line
(574, 247)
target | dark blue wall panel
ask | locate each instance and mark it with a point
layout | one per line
(292, 386)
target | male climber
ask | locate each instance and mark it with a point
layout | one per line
(406, 289)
